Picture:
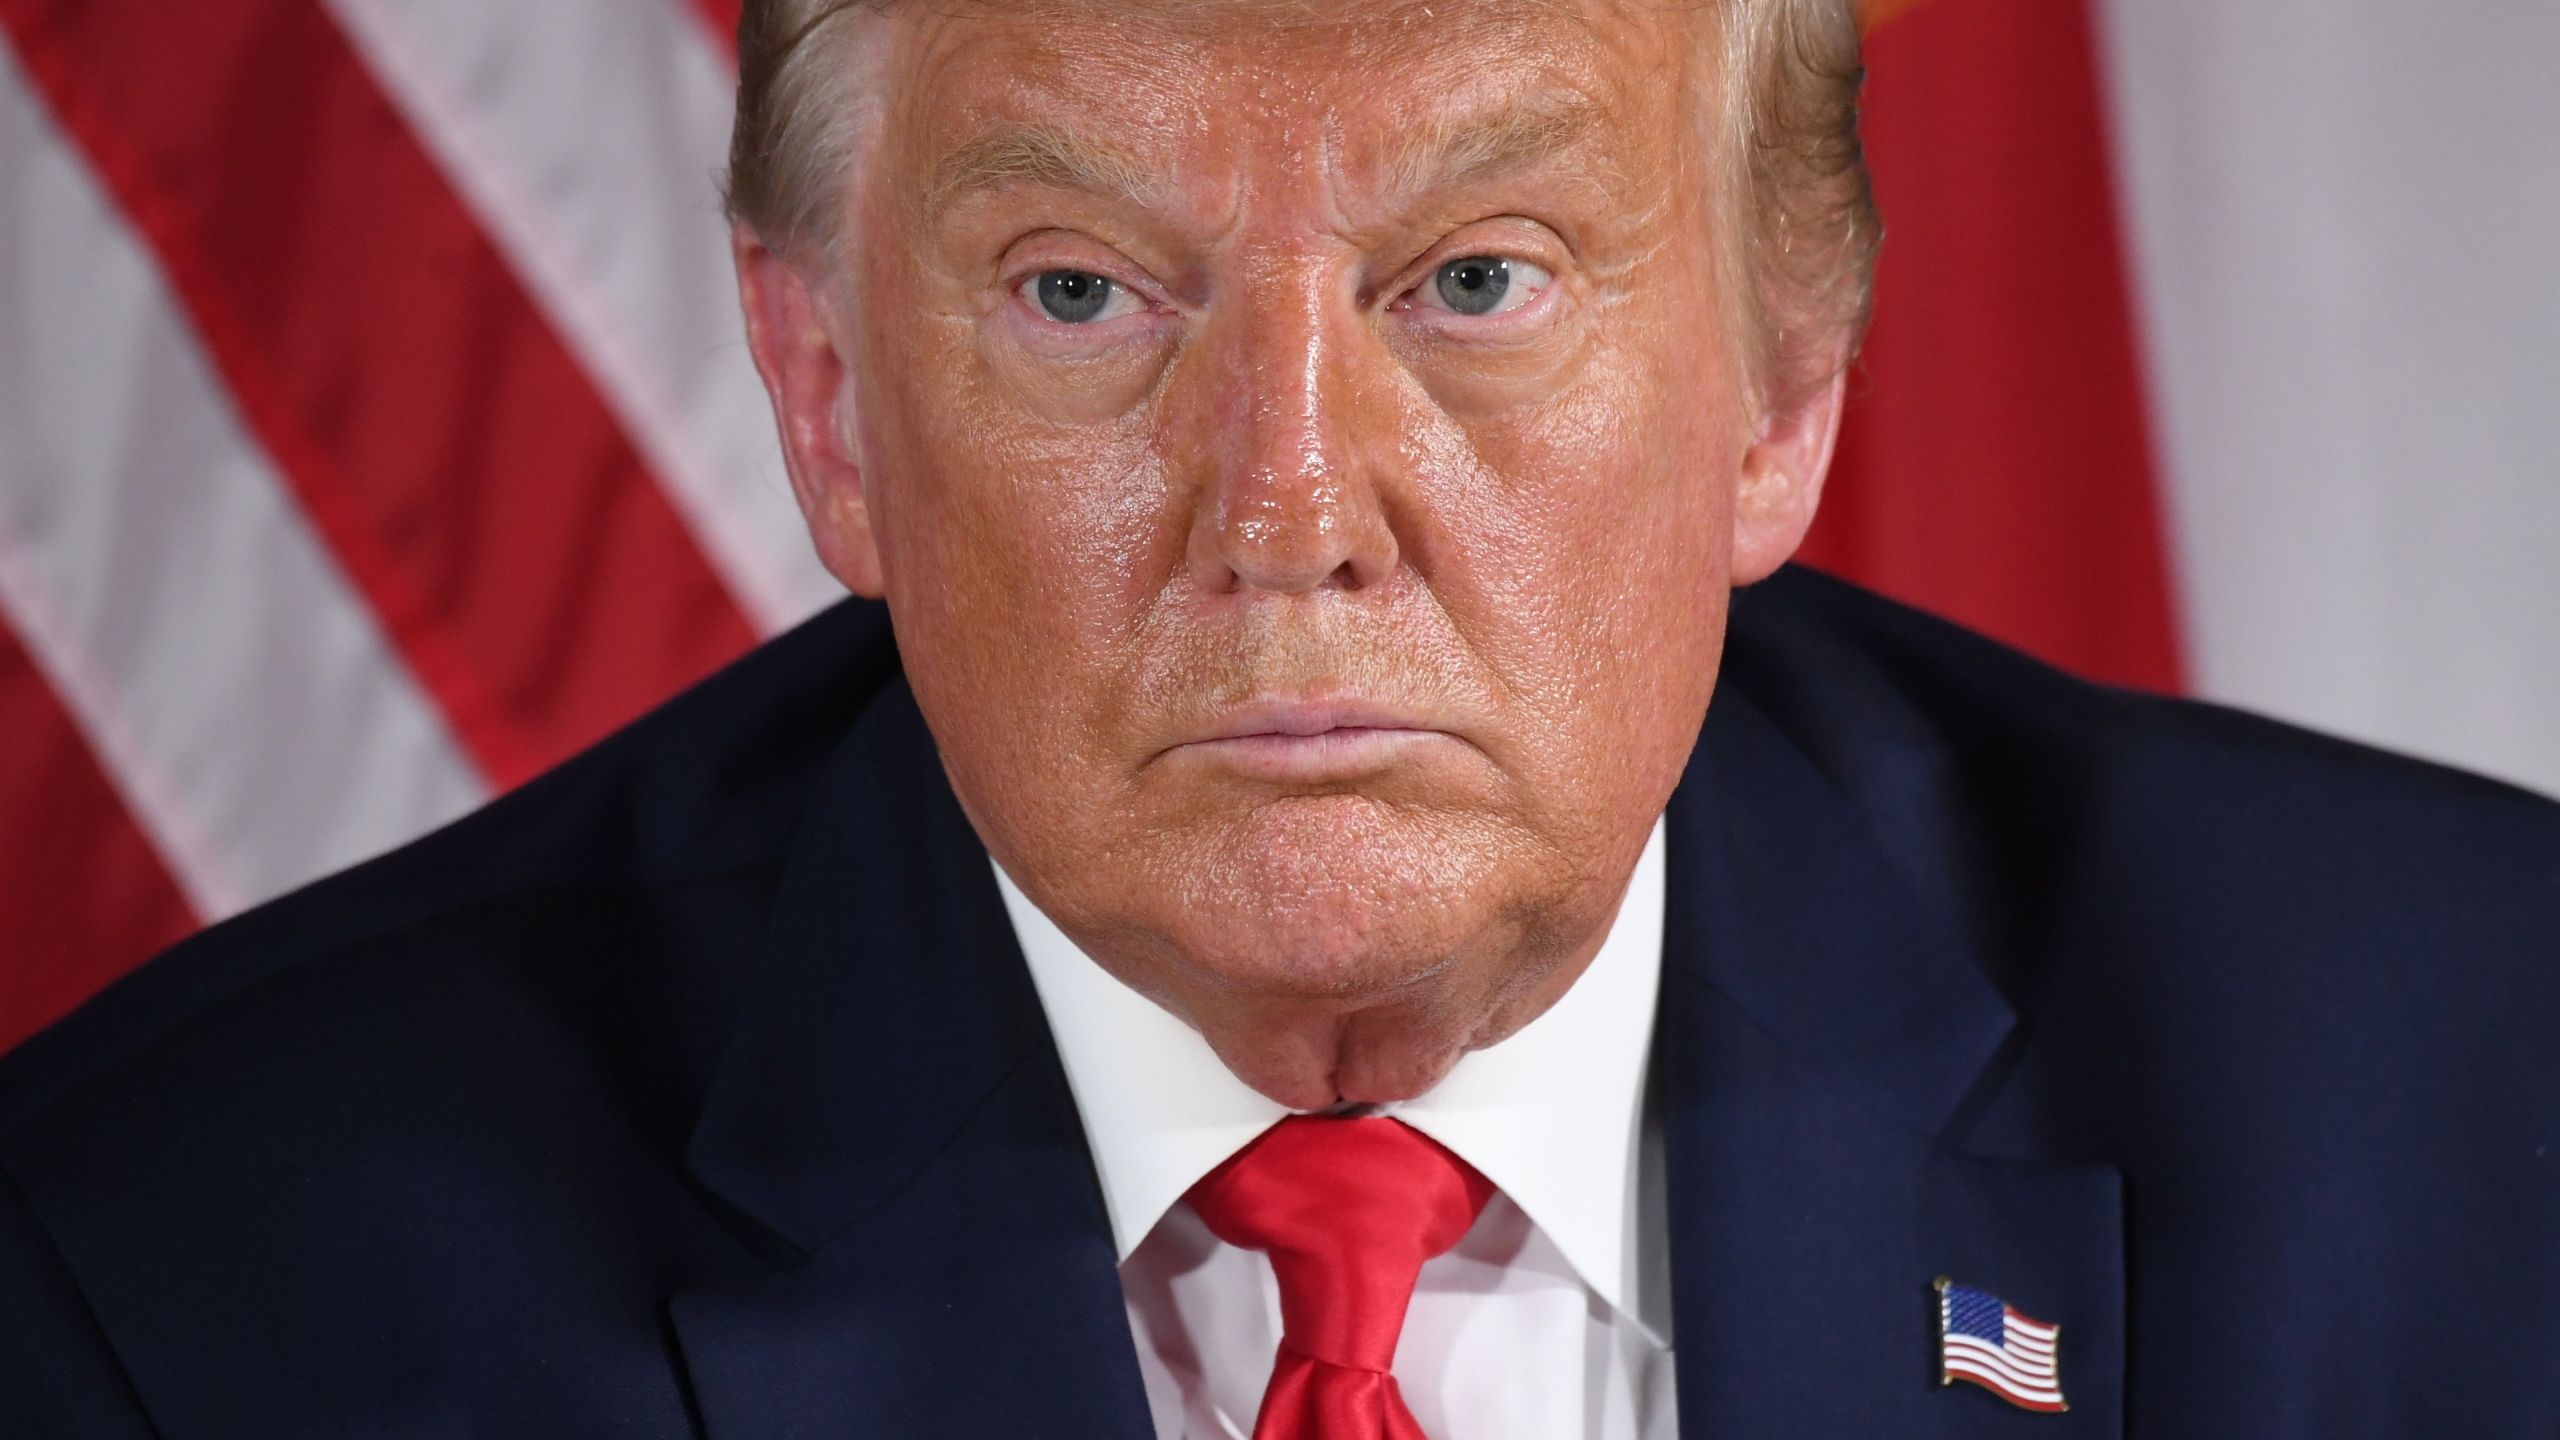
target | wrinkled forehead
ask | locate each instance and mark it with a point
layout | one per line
(1351, 31)
(1197, 89)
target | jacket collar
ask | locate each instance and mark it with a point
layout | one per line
(891, 1108)
(1792, 914)
(888, 998)
(1821, 1031)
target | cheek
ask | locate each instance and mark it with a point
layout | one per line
(1594, 567)
(1025, 492)
(1019, 554)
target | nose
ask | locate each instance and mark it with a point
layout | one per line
(1298, 430)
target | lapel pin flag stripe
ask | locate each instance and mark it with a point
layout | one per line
(1985, 1340)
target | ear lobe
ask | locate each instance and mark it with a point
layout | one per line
(1781, 482)
(804, 373)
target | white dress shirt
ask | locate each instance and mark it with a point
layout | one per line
(1550, 1320)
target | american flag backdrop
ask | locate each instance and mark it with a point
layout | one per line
(376, 428)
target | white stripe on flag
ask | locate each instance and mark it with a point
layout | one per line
(2024, 1385)
(237, 690)
(588, 135)
(1965, 1365)
(2025, 1373)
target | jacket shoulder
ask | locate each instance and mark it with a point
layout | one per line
(704, 787)
(2214, 925)
(463, 1073)
(1909, 713)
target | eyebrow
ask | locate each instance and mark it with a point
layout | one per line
(1466, 149)
(1022, 152)
(1449, 152)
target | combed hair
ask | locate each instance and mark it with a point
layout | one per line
(1805, 260)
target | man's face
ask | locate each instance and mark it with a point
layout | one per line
(1301, 451)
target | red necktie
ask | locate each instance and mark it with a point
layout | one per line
(1349, 1208)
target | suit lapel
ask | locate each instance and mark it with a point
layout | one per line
(892, 1112)
(1819, 1028)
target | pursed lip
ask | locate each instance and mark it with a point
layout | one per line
(1301, 718)
(1331, 738)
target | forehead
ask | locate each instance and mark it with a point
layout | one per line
(1175, 83)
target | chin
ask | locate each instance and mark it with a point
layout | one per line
(1355, 1070)
(1336, 898)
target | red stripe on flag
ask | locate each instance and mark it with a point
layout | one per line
(460, 465)
(1997, 464)
(2014, 1397)
(86, 897)
(722, 17)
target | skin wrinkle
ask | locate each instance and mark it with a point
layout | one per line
(1454, 152)
(1018, 152)
(1286, 475)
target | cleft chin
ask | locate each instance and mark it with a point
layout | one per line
(1315, 1057)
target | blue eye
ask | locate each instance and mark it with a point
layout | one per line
(1475, 285)
(1486, 285)
(1078, 297)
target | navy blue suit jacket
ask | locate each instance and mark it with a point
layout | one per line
(699, 1088)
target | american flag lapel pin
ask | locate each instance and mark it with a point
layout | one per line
(1984, 1339)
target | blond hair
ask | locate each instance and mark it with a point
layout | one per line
(1805, 261)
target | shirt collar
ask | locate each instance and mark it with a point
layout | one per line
(1553, 1115)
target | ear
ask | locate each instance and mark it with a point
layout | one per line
(1781, 483)
(804, 373)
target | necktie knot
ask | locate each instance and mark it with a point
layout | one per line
(1348, 1209)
